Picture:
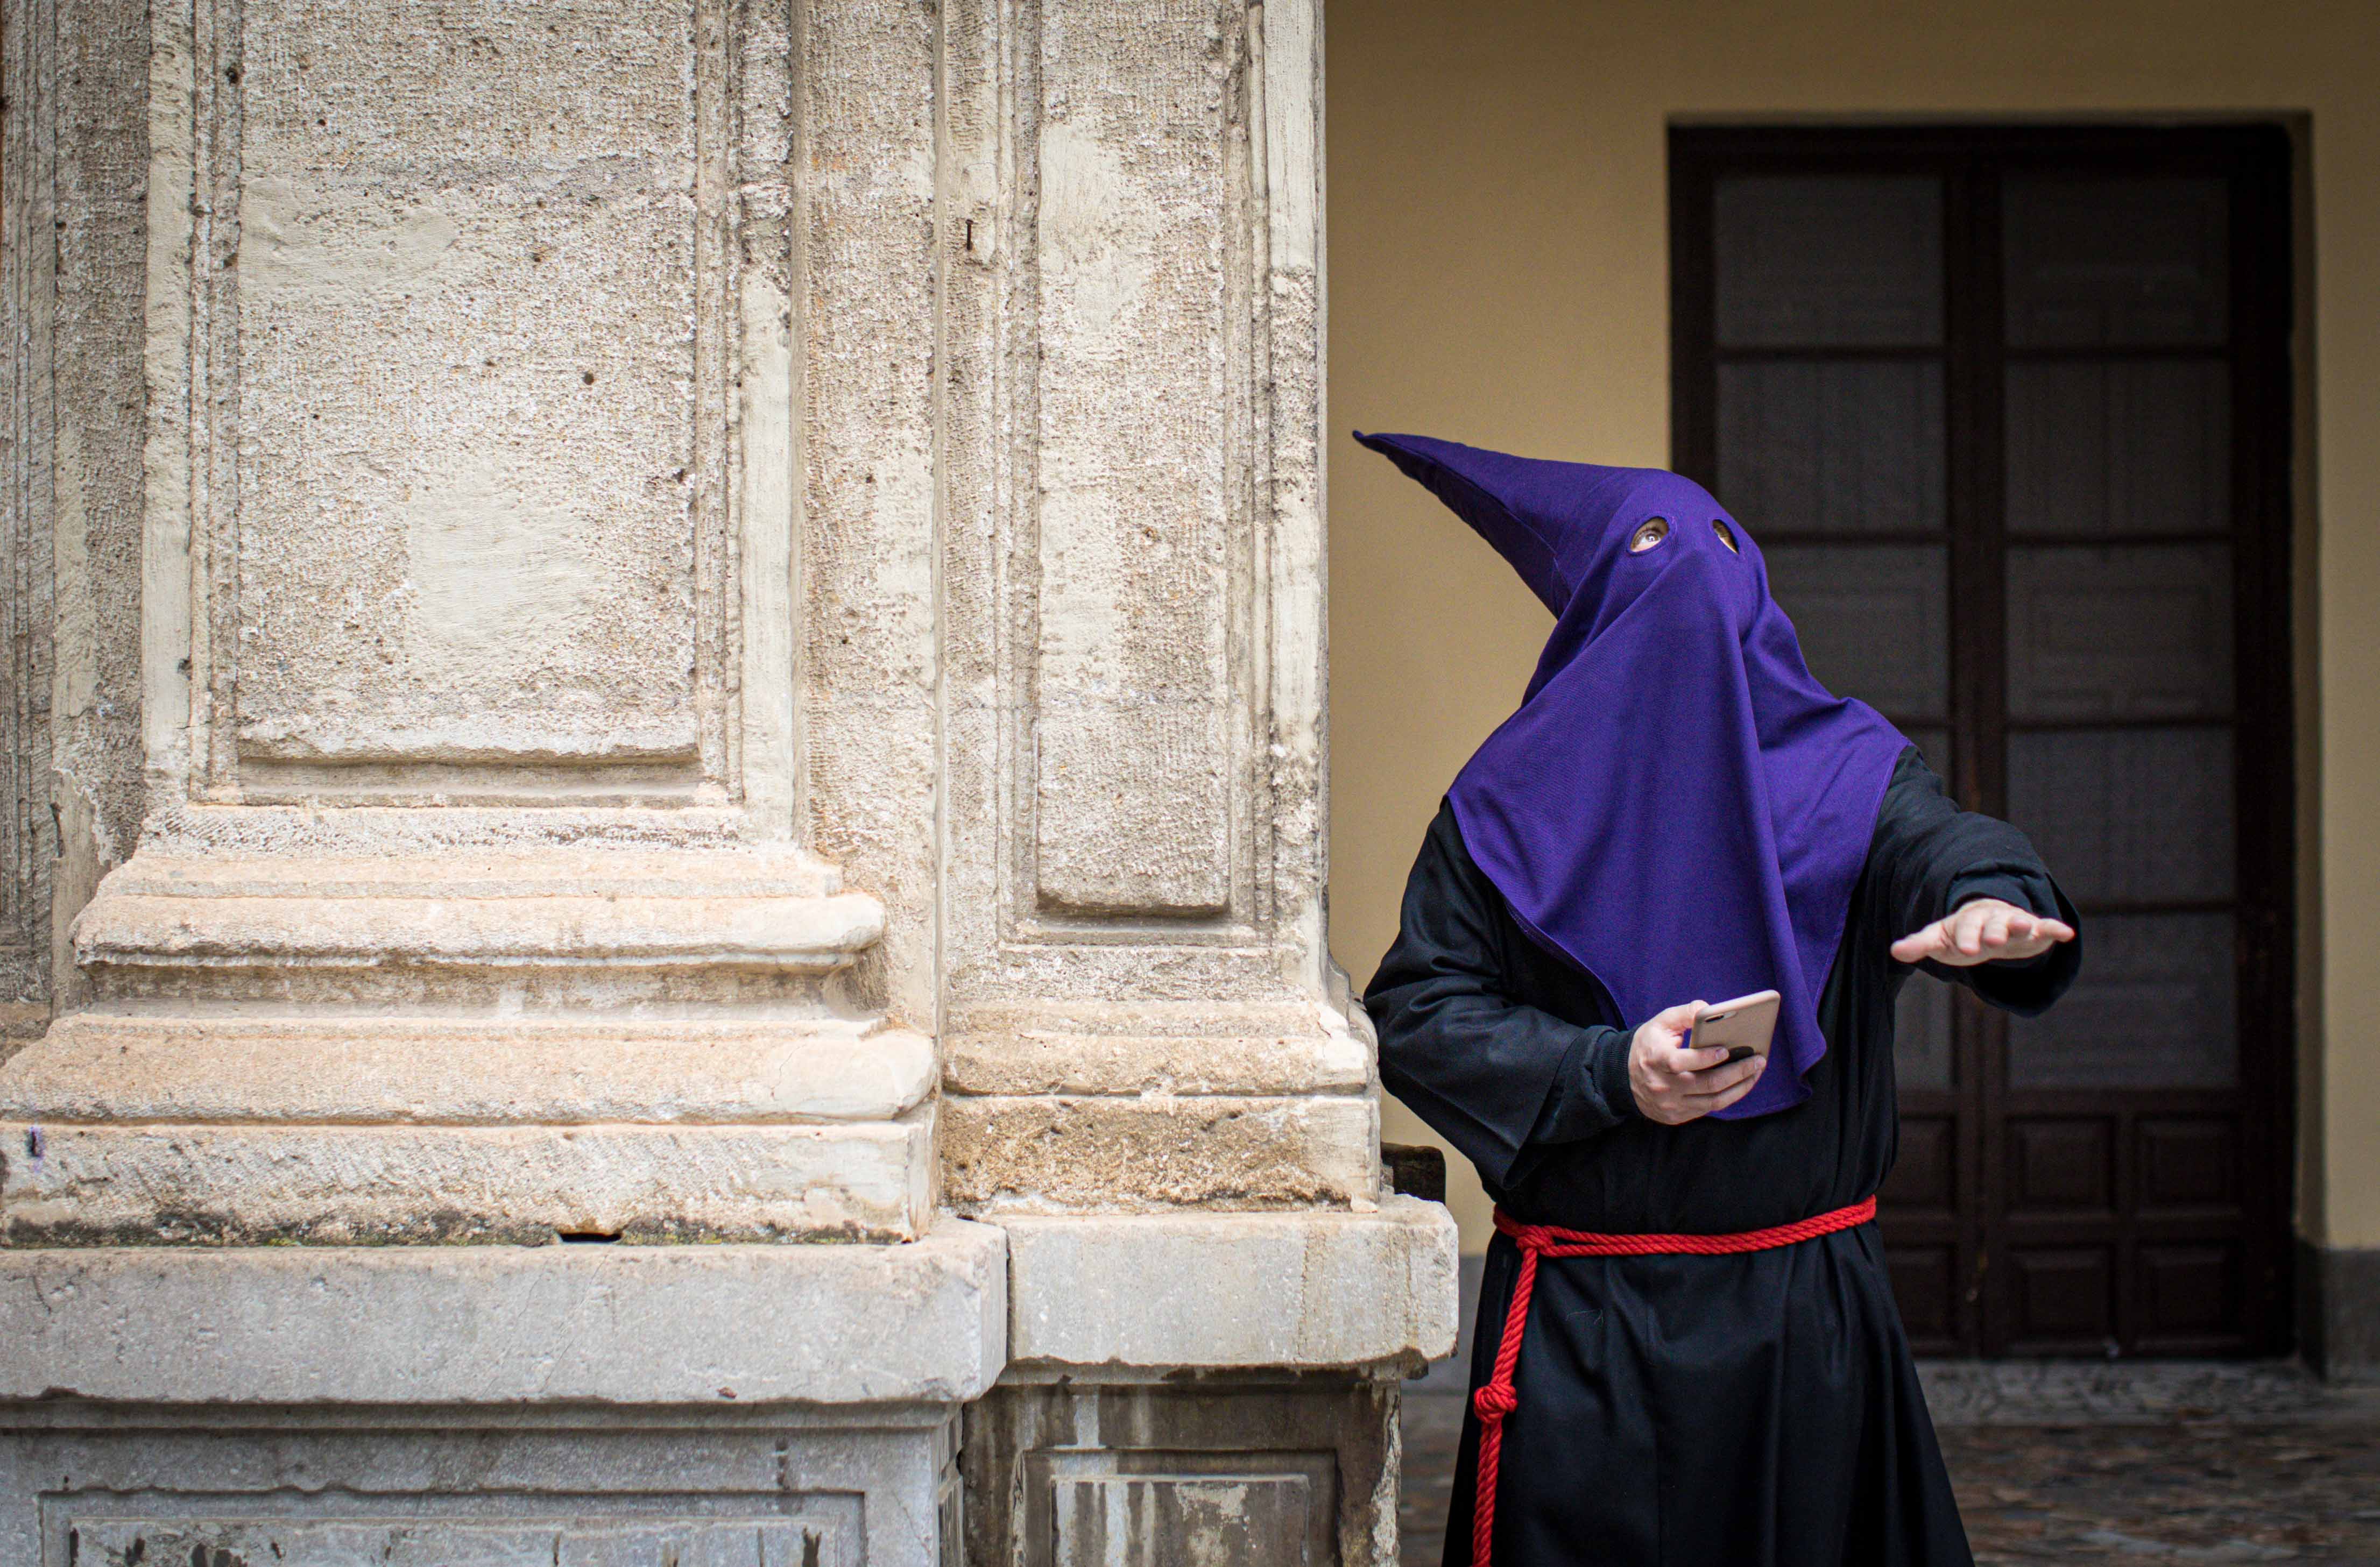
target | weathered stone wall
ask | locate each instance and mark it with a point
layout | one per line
(466, 587)
(72, 205)
(721, 605)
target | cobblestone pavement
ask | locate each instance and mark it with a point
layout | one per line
(2179, 1492)
(2169, 1493)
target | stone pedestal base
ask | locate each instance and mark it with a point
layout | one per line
(585, 1406)
(1195, 1388)
(85, 1485)
(1154, 1389)
(1178, 1472)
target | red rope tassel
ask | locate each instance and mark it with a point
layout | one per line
(1498, 1399)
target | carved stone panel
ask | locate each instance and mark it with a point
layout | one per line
(615, 1484)
(1243, 1471)
(576, 1541)
(1182, 1509)
(471, 304)
(1137, 239)
(310, 1527)
(1135, 609)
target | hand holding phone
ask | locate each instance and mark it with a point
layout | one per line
(1743, 1026)
(1691, 1059)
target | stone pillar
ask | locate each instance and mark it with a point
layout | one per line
(729, 893)
(1153, 1078)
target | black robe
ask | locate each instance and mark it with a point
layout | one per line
(1759, 1409)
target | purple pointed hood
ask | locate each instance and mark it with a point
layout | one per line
(1678, 807)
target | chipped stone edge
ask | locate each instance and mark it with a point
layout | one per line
(714, 1325)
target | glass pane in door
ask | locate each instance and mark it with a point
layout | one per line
(2118, 448)
(1874, 621)
(2129, 815)
(2107, 261)
(1826, 446)
(2137, 632)
(1811, 260)
(2155, 1007)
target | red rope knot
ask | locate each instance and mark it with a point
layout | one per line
(1494, 1403)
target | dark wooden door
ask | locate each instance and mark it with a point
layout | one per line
(2008, 409)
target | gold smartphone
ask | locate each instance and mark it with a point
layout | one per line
(1743, 1026)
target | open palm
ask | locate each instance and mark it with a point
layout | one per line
(1986, 930)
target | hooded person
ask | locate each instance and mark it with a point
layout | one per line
(1688, 1351)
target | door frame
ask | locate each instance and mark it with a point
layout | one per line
(2258, 158)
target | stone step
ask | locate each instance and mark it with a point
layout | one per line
(771, 872)
(1132, 1065)
(164, 1184)
(495, 1045)
(438, 1327)
(96, 1066)
(549, 930)
(1300, 1290)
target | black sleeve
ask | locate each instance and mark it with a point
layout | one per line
(1496, 1078)
(1929, 857)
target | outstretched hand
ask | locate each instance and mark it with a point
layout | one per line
(1986, 930)
(1673, 1084)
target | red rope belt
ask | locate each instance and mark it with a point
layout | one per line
(1498, 1400)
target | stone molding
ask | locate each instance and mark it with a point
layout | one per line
(1007, 1154)
(819, 1324)
(495, 1047)
(98, 1067)
(1309, 1291)
(934, 1321)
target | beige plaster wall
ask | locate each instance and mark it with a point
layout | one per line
(1500, 276)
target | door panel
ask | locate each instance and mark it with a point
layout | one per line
(2008, 411)
(2130, 631)
(1829, 446)
(1873, 620)
(2116, 260)
(2118, 449)
(2129, 815)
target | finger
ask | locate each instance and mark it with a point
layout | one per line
(1724, 1080)
(2056, 930)
(1673, 1026)
(1690, 1060)
(2026, 938)
(1919, 945)
(1995, 932)
(1967, 933)
(1681, 1016)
